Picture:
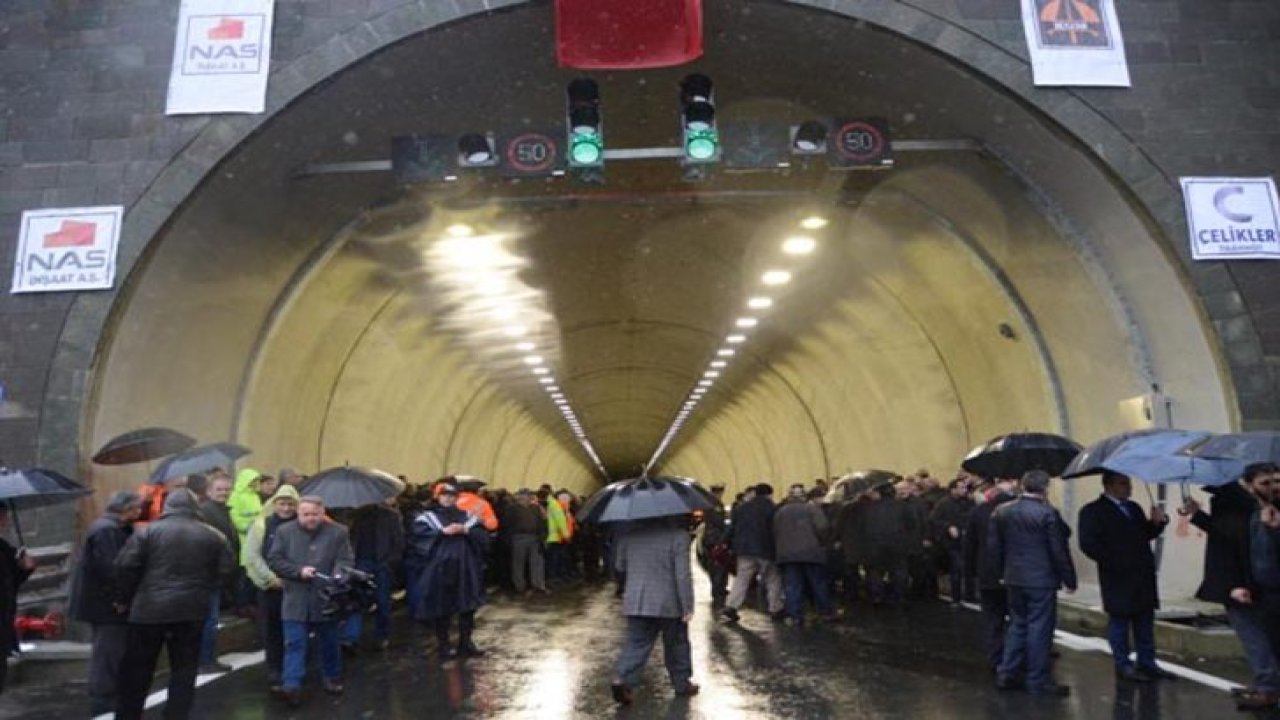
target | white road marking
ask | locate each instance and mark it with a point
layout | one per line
(237, 661)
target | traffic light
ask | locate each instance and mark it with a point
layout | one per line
(476, 150)
(421, 158)
(584, 125)
(809, 138)
(699, 138)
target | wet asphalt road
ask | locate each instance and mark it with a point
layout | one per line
(552, 658)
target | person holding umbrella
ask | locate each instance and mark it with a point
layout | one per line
(1115, 534)
(450, 546)
(658, 600)
(15, 567)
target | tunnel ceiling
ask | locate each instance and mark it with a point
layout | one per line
(336, 321)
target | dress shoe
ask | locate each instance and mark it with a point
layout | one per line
(1257, 700)
(1004, 682)
(1239, 691)
(333, 687)
(469, 650)
(382, 644)
(1059, 691)
(780, 616)
(1157, 673)
(292, 698)
(1132, 674)
(730, 615)
(349, 649)
(688, 690)
(214, 668)
(446, 654)
(622, 694)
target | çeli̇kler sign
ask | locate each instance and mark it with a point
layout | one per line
(1232, 218)
(222, 57)
(69, 249)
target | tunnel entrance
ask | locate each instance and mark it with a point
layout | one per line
(961, 295)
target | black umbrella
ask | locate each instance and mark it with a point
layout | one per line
(1247, 447)
(34, 487)
(350, 487)
(1009, 456)
(646, 497)
(199, 460)
(864, 480)
(141, 445)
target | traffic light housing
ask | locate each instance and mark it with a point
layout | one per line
(477, 150)
(699, 137)
(584, 125)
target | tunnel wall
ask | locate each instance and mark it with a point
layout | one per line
(85, 86)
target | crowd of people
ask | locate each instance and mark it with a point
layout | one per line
(158, 567)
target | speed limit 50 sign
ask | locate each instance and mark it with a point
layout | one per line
(860, 143)
(530, 153)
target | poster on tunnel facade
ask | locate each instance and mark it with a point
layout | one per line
(1232, 218)
(67, 249)
(221, 58)
(1075, 42)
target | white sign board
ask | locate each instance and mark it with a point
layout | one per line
(67, 249)
(222, 57)
(1075, 42)
(1232, 218)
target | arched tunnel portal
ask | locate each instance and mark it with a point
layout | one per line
(1010, 283)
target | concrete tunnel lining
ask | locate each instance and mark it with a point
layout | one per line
(1138, 295)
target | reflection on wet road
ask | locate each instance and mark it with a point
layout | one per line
(552, 658)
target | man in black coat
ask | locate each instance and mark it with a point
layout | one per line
(168, 570)
(15, 567)
(1117, 535)
(948, 523)
(751, 536)
(377, 539)
(892, 532)
(1027, 543)
(714, 534)
(1229, 578)
(97, 598)
(523, 528)
(214, 510)
(991, 594)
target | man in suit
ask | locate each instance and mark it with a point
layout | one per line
(654, 554)
(991, 594)
(1117, 535)
(1027, 544)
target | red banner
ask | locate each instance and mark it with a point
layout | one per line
(627, 34)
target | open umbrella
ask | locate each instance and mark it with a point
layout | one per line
(142, 445)
(1157, 458)
(1246, 447)
(35, 487)
(350, 487)
(1089, 460)
(863, 480)
(1009, 456)
(199, 460)
(645, 497)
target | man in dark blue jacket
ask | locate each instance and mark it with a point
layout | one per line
(751, 536)
(1027, 542)
(97, 598)
(1116, 534)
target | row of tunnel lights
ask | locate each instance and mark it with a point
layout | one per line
(771, 280)
(536, 363)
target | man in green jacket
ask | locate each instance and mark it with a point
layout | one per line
(282, 508)
(245, 504)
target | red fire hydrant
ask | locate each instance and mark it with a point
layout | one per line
(50, 626)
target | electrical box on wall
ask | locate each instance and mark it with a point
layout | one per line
(1149, 410)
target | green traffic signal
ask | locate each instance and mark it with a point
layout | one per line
(585, 149)
(701, 146)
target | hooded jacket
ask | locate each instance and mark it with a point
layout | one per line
(169, 569)
(244, 503)
(253, 553)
